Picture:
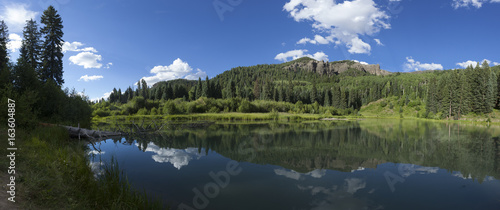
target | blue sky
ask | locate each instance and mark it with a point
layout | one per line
(116, 43)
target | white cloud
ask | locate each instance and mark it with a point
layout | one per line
(475, 3)
(108, 65)
(361, 62)
(75, 47)
(15, 16)
(87, 60)
(318, 39)
(178, 69)
(355, 184)
(87, 78)
(343, 23)
(295, 54)
(412, 65)
(291, 174)
(467, 63)
(378, 42)
(177, 157)
(14, 43)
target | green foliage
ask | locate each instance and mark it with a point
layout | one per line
(4, 39)
(52, 63)
(246, 107)
(56, 172)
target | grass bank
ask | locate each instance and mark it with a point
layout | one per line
(230, 116)
(52, 171)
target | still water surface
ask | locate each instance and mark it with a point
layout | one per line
(368, 164)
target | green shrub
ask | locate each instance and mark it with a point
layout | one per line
(383, 104)
(246, 107)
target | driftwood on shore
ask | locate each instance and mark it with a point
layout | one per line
(86, 133)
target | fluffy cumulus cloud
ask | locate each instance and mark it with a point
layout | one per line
(468, 63)
(15, 42)
(87, 56)
(412, 65)
(178, 69)
(88, 78)
(75, 47)
(15, 16)
(474, 3)
(87, 60)
(295, 54)
(342, 23)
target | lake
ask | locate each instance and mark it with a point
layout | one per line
(365, 164)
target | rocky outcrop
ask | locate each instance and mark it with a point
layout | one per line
(333, 68)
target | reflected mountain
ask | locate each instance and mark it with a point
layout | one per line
(304, 149)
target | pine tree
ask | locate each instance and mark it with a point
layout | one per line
(327, 98)
(314, 93)
(31, 46)
(207, 88)
(52, 63)
(145, 89)
(199, 89)
(256, 89)
(158, 93)
(169, 92)
(138, 91)
(289, 92)
(343, 99)
(4, 39)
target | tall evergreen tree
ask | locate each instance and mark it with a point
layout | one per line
(144, 89)
(327, 101)
(4, 39)
(199, 89)
(206, 88)
(314, 93)
(52, 63)
(5, 71)
(31, 46)
(256, 89)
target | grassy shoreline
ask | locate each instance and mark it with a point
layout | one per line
(288, 117)
(53, 170)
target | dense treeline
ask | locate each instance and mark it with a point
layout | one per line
(34, 81)
(444, 94)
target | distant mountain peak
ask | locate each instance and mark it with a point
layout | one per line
(332, 68)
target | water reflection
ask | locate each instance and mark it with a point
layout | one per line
(177, 157)
(318, 173)
(370, 164)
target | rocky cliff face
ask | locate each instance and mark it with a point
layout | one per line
(331, 68)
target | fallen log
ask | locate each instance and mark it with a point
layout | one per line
(77, 132)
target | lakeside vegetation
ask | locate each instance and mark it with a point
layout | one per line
(54, 171)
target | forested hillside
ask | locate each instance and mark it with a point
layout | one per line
(292, 87)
